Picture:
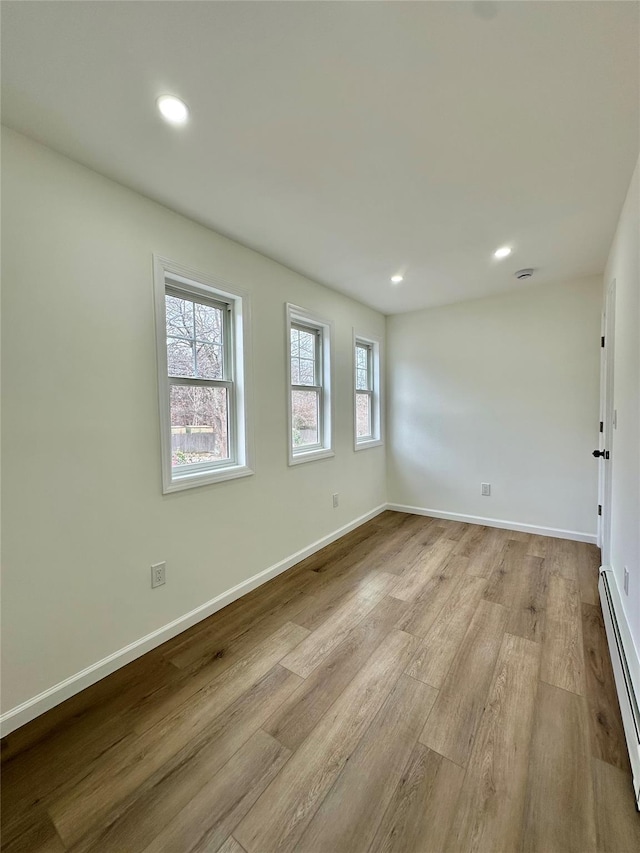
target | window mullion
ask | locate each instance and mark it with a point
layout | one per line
(231, 420)
(228, 364)
(320, 403)
(306, 387)
(196, 383)
(319, 368)
(193, 340)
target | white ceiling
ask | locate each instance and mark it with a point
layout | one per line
(352, 140)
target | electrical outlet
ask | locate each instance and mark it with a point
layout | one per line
(336, 500)
(486, 489)
(158, 574)
(626, 580)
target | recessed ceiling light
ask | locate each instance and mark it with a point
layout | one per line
(396, 279)
(502, 252)
(173, 109)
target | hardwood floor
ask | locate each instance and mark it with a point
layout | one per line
(418, 686)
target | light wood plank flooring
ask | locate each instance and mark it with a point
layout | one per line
(418, 686)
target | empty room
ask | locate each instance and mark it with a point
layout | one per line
(320, 426)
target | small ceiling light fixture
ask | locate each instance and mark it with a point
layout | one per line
(503, 252)
(396, 279)
(526, 273)
(173, 109)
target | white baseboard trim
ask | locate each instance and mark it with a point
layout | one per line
(626, 668)
(32, 708)
(576, 535)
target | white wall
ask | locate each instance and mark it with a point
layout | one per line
(624, 267)
(84, 516)
(502, 390)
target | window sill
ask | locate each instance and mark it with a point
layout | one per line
(364, 445)
(205, 478)
(310, 456)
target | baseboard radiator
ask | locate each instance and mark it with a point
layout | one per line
(626, 668)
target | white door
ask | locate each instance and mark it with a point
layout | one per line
(607, 424)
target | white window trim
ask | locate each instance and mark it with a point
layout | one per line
(297, 315)
(377, 397)
(166, 272)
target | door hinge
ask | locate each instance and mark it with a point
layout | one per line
(601, 426)
(602, 341)
(599, 509)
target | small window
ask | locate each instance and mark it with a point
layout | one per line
(309, 404)
(367, 418)
(200, 331)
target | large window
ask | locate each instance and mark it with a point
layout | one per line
(367, 408)
(201, 357)
(309, 405)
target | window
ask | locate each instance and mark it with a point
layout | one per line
(309, 404)
(201, 342)
(367, 417)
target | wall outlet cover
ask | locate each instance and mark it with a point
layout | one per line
(158, 574)
(486, 489)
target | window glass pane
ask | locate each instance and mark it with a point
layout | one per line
(199, 425)
(180, 358)
(208, 323)
(303, 357)
(209, 361)
(295, 343)
(306, 371)
(363, 415)
(179, 317)
(305, 418)
(362, 357)
(295, 357)
(362, 380)
(307, 344)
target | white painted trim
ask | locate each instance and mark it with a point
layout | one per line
(377, 440)
(365, 445)
(576, 535)
(311, 456)
(607, 438)
(303, 316)
(603, 332)
(296, 314)
(625, 661)
(48, 699)
(240, 415)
